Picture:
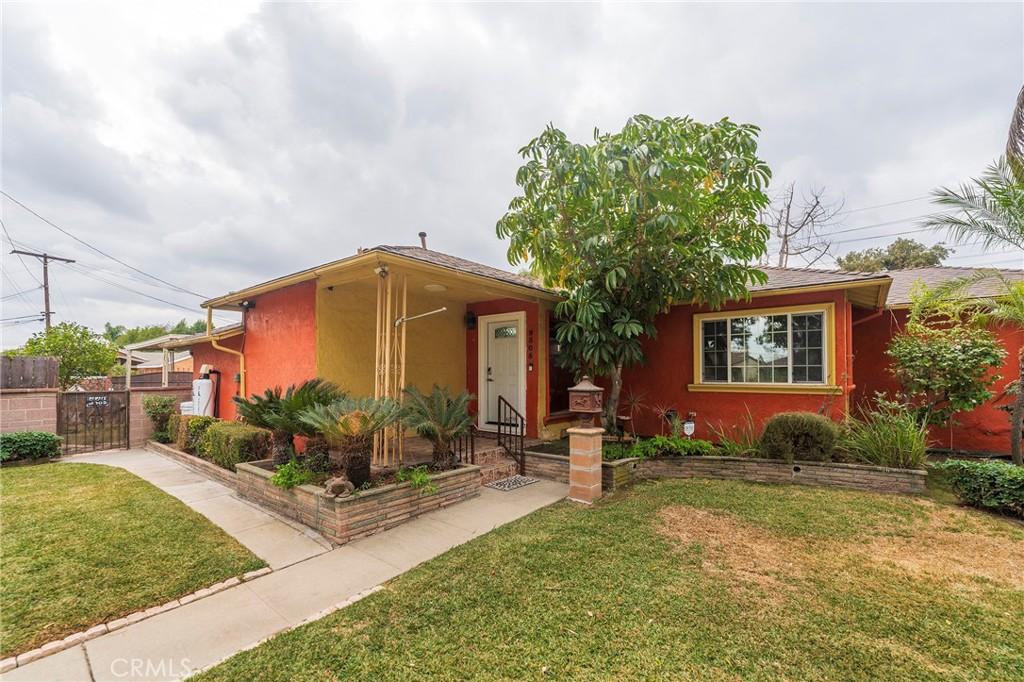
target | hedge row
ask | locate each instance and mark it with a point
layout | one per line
(224, 443)
(992, 485)
(26, 445)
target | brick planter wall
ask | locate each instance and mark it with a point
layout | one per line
(196, 464)
(857, 476)
(28, 409)
(347, 518)
(614, 475)
(140, 427)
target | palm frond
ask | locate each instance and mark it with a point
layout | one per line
(988, 211)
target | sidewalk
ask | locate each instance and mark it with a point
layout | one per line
(198, 635)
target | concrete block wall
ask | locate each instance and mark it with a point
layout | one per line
(28, 409)
(140, 428)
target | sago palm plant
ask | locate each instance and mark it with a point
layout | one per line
(440, 418)
(280, 412)
(349, 425)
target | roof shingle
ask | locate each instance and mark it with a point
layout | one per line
(904, 280)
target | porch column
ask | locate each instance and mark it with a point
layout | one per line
(164, 371)
(585, 464)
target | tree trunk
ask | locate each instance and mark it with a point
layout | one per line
(442, 458)
(1017, 416)
(353, 455)
(283, 448)
(611, 414)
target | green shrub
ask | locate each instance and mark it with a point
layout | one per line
(418, 478)
(737, 440)
(802, 436)
(613, 451)
(159, 409)
(228, 443)
(28, 445)
(887, 436)
(291, 474)
(661, 446)
(992, 485)
(195, 426)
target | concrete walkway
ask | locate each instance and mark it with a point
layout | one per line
(200, 634)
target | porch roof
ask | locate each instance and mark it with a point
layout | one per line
(394, 255)
(218, 334)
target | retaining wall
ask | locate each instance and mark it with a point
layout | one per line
(857, 476)
(344, 519)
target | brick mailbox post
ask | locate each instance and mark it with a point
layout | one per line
(585, 443)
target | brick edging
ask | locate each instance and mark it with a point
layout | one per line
(197, 464)
(95, 631)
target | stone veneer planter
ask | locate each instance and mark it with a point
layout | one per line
(857, 476)
(197, 464)
(344, 519)
(614, 475)
(623, 472)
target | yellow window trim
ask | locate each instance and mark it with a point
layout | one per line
(810, 389)
(829, 386)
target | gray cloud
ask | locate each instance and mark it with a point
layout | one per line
(295, 133)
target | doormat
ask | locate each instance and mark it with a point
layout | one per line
(511, 483)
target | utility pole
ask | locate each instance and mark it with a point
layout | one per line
(46, 258)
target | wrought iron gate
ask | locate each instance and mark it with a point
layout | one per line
(93, 421)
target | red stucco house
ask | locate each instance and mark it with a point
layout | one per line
(472, 327)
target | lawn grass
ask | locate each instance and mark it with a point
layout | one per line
(690, 579)
(83, 544)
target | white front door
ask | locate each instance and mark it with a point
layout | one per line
(501, 369)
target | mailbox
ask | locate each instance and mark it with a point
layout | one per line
(587, 400)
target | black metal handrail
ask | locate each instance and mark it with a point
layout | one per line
(465, 447)
(512, 432)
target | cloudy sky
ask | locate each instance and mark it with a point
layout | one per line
(217, 145)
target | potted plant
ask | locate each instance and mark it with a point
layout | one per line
(349, 426)
(439, 418)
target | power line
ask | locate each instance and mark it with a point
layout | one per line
(891, 203)
(99, 251)
(85, 273)
(45, 258)
(19, 293)
(23, 263)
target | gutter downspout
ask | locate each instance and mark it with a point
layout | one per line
(237, 353)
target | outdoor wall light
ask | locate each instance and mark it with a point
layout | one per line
(470, 320)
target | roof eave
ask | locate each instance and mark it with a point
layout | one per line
(231, 300)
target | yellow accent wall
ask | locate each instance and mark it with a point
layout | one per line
(346, 329)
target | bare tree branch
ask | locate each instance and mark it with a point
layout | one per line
(798, 223)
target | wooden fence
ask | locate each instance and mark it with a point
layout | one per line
(151, 379)
(28, 372)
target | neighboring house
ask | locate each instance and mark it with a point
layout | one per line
(806, 340)
(148, 362)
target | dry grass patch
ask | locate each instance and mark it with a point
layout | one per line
(954, 545)
(734, 548)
